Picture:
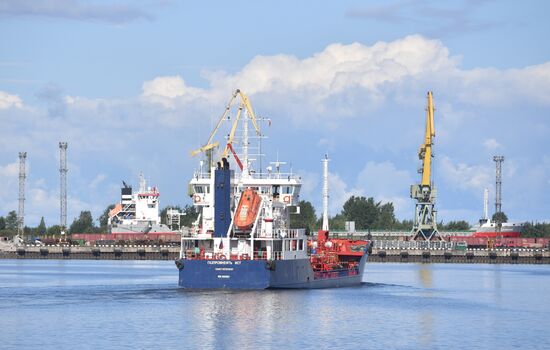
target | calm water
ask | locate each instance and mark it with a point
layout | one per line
(73, 304)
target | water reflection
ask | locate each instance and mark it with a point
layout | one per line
(426, 319)
(245, 313)
(497, 295)
(425, 274)
(404, 306)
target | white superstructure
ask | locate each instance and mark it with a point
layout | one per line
(137, 212)
(275, 193)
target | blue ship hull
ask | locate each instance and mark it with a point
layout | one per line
(262, 274)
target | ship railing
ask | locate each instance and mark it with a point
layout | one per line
(406, 245)
(237, 177)
(262, 255)
(336, 273)
(282, 233)
(389, 234)
(197, 254)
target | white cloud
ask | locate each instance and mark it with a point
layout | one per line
(491, 144)
(10, 101)
(379, 89)
(339, 67)
(339, 193)
(9, 170)
(386, 183)
(164, 90)
(460, 175)
(97, 180)
(383, 181)
(8, 187)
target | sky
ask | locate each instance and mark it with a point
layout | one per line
(133, 86)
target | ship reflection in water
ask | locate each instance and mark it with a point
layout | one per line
(128, 304)
(426, 317)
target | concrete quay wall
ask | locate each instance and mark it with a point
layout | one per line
(137, 252)
(479, 256)
(93, 252)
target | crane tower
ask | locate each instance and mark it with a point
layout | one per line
(63, 186)
(22, 177)
(498, 183)
(425, 219)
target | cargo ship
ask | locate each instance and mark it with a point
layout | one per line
(491, 230)
(242, 237)
(137, 212)
(136, 220)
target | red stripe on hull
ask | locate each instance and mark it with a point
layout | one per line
(497, 234)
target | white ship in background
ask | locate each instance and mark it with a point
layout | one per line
(137, 212)
(490, 229)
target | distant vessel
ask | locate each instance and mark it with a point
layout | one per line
(137, 212)
(491, 230)
(242, 237)
(488, 229)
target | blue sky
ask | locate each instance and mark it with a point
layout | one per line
(133, 86)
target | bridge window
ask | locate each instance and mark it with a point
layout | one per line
(287, 189)
(201, 189)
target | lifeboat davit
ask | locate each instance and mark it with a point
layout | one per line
(247, 210)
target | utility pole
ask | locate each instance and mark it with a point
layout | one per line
(63, 188)
(498, 183)
(21, 211)
(498, 193)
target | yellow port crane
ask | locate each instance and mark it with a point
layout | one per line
(425, 153)
(210, 145)
(425, 223)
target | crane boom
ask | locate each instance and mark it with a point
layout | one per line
(205, 148)
(249, 110)
(210, 145)
(425, 153)
(232, 133)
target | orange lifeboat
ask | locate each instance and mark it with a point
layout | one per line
(247, 210)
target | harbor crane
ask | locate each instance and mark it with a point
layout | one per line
(425, 218)
(210, 145)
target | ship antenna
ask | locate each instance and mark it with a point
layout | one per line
(245, 171)
(141, 182)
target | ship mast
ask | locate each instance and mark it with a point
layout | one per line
(245, 171)
(325, 194)
(486, 204)
(142, 183)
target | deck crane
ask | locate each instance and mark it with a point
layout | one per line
(425, 219)
(210, 145)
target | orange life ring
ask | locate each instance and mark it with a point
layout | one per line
(286, 199)
(196, 198)
(222, 257)
(245, 257)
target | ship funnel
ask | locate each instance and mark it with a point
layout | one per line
(222, 199)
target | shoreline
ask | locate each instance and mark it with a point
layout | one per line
(144, 252)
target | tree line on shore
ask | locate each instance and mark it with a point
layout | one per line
(367, 213)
